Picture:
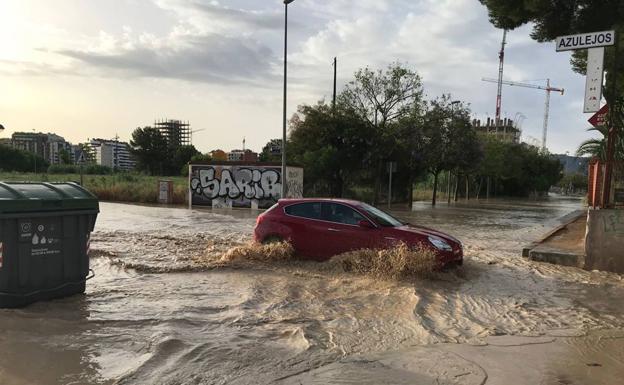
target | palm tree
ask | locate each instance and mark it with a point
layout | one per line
(597, 148)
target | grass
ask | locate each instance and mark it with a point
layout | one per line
(117, 187)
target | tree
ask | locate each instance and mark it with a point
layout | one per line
(12, 159)
(556, 18)
(149, 147)
(331, 144)
(382, 98)
(64, 156)
(181, 156)
(450, 142)
(272, 151)
(597, 148)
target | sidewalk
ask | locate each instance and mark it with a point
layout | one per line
(564, 245)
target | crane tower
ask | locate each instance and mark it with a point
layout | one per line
(548, 90)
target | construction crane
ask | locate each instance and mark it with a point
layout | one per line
(548, 89)
(501, 59)
(192, 131)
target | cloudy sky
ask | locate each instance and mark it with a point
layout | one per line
(100, 68)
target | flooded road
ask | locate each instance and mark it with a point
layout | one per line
(159, 311)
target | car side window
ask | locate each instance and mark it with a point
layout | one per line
(310, 210)
(338, 213)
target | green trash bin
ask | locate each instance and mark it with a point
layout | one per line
(44, 240)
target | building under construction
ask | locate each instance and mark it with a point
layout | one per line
(506, 131)
(177, 132)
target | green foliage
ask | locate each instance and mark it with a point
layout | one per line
(573, 182)
(16, 160)
(597, 148)
(90, 169)
(122, 187)
(331, 145)
(62, 169)
(153, 155)
(556, 18)
(518, 169)
(272, 151)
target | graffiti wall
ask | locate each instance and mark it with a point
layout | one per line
(255, 186)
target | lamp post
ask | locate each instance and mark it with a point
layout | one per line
(448, 174)
(284, 184)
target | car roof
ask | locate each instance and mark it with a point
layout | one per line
(338, 200)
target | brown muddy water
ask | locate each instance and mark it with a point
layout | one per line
(165, 308)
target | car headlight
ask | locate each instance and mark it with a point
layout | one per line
(439, 243)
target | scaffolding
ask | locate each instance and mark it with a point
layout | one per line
(177, 132)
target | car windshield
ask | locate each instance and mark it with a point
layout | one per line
(382, 218)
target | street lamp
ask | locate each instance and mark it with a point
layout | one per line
(284, 187)
(448, 174)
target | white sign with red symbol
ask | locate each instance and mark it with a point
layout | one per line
(593, 81)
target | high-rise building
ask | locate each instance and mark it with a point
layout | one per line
(48, 146)
(113, 154)
(177, 132)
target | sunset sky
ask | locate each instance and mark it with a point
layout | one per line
(101, 68)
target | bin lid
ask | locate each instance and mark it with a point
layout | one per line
(18, 197)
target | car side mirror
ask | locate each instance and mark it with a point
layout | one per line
(366, 224)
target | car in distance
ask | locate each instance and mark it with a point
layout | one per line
(321, 228)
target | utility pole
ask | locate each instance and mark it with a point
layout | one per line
(284, 183)
(334, 97)
(612, 137)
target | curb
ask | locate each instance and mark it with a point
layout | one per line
(565, 221)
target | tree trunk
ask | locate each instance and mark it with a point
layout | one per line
(377, 187)
(467, 188)
(435, 188)
(487, 190)
(410, 189)
(480, 186)
(456, 191)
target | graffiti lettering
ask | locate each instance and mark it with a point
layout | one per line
(247, 183)
(614, 223)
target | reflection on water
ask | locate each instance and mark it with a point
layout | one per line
(167, 321)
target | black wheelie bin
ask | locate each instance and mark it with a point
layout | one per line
(44, 240)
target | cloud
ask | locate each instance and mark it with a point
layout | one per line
(205, 58)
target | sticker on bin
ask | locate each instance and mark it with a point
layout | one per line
(1, 257)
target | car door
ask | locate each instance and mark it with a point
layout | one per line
(306, 228)
(343, 232)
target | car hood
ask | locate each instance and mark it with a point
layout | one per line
(425, 232)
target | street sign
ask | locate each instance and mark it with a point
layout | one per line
(593, 80)
(585, 40)
(600, 117)
(81, 158)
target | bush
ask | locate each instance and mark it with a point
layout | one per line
(96, 169)
(62, 169)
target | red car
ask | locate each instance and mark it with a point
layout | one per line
(322, 228)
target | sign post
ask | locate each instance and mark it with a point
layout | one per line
(392, 167)
(595, 42)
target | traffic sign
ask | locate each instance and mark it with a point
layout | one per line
(585, 40)
(600, 117)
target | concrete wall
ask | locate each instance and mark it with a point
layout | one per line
(241, 185)
(604, 242)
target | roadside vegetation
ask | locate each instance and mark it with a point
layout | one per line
(381, 117)
(120, 187)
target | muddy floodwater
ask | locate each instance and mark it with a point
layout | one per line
(159, 312)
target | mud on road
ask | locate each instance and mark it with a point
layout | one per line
(165, 307)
